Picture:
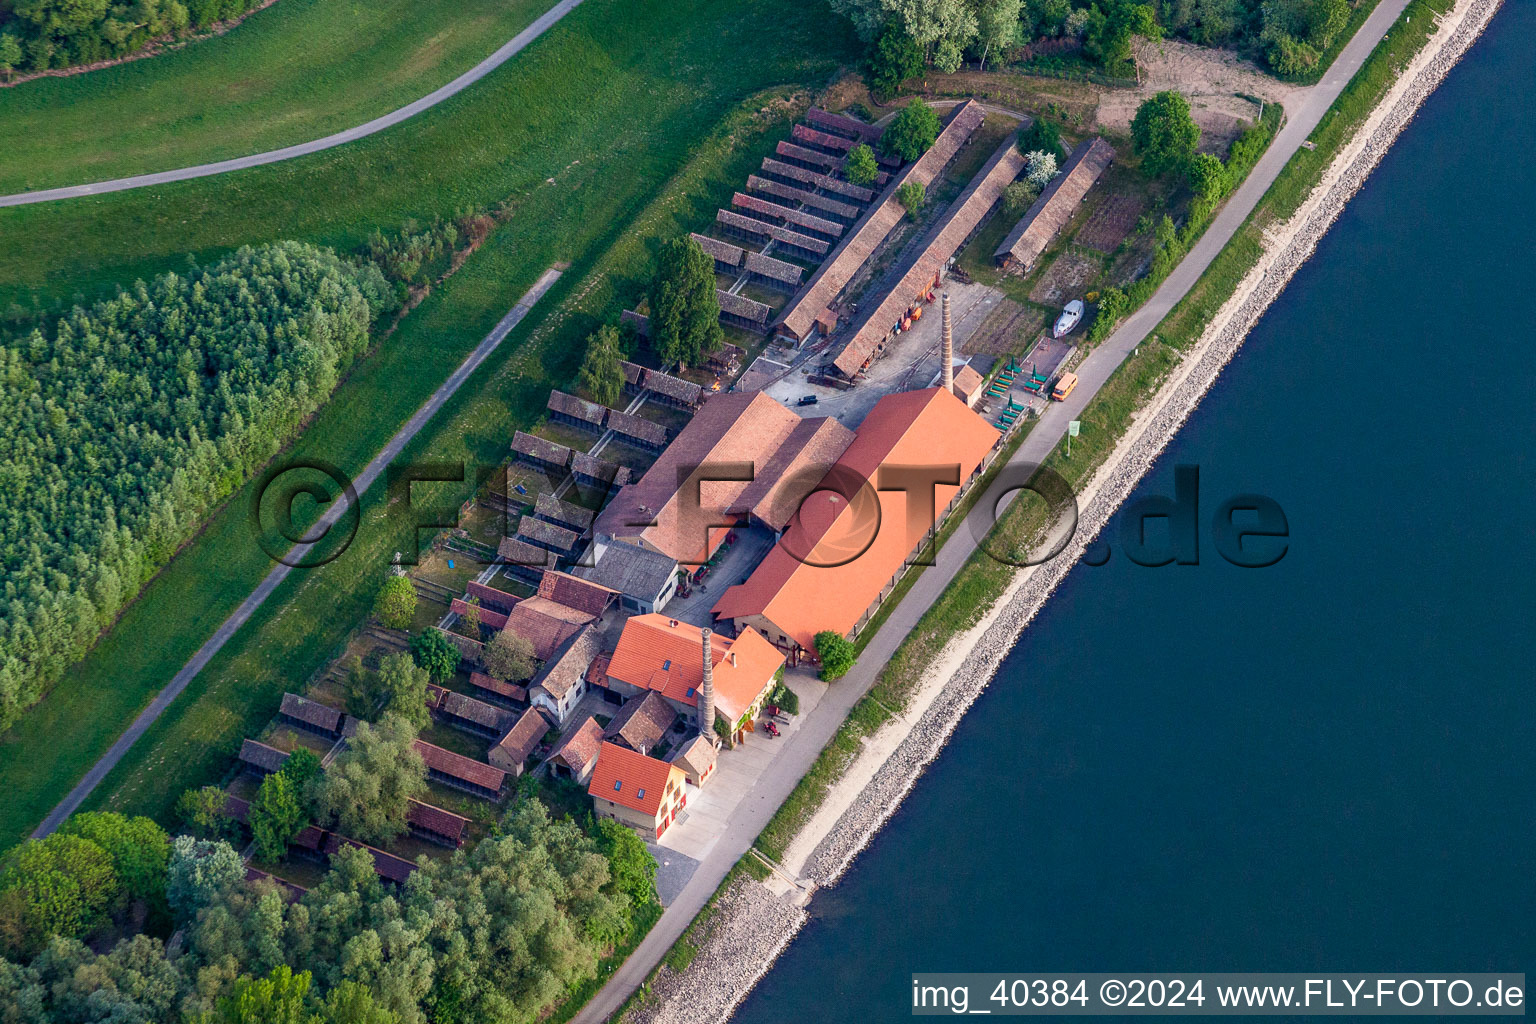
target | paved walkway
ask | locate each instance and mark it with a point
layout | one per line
(517, 43)
(801, 750)
(295, 555)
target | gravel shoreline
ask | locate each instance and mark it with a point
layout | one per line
(754, 925)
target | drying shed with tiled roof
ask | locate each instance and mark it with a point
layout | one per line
(814, 248)
(548, 536)
(684, 394)
(311, 716)
(798, 318)
(639, 321)
(772, 272)
(578, 412)
(863, 131)
(841, 572)
(789, 172)
(637, 430)
(459, 772)
(260, 758)
(815, 200)
(633, 374)
(641, 722)
(496, 689)
(436, 825)
(810, 157)
(523, 559)
(386, 865)
(798, 219)
(742, 311)
(726, 255)
(589, 469)
(478, 716)
(574, 592)
(562, 513)
(879, 322)
(1057, 203)
(540, 451)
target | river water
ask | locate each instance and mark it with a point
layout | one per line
(1325, 765)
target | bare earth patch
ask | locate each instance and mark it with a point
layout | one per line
(1109, 225)
(1065, 278)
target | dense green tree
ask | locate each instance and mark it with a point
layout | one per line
(685, 311)
(201, 873)
(893, 58)
(134, 983)
(910, 132)
(435, 653)
(124, 424)
(351, 1003)
(276, 816)
(10, 54)
(396, 603)
(1207, 176)
(601, 376)
(861, 167)
(403, 685)
(63, 33)
(1042, 135)
(201, 813)
(1113, 305)
(275, 999)
(508, 657)
(1164, 134)
(302, 765)
(59, 885)
(630, 864)
(835, 653)
(910, 194)
(368, 788)
(139, 849)
(997, 26)
(1018, 197)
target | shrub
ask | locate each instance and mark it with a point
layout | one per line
(396, 603)
(836, 654)
(201, 813)
(785, 699)
(1113, 304)
(435, 653)
(861, 168)
(911, 195)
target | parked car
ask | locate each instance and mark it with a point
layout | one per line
(808, 400)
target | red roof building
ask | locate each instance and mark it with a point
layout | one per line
(639, 791)
(842, 555)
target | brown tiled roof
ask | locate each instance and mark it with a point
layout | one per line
(510, 691)
(471, 710)
(1057, 203)
(580, 746)
(575, 592)
(563, 512)
(675, 388)
(557, 537)
(457, 766)
(235, 808)
(723, 252)
(389, 867)
(968, 382)
(637, 427)
(696, 757)
(811, 137)
(524, 735)
(881, 219)
(632, 372)
(259, 755)
(640, 320)
(747, 309)
(515, 551)
(436, 820)
(766, 230)
(577, 408)
(831, 122)
(784, 214)
(729, 428)
(822, 181)
(301, 709)
(490, 597)
(568, 662)
(545, 624)
(593, 468)
(810, 156)
(770, 187)
(597, 672)
(837, 571)
(642, 721)
(540, 448)
(769, 267)
(794, 470)
(962, 218)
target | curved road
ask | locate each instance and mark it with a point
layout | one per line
(517, 43)
(1303, 114)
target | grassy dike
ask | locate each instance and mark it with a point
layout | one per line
(296, 71)
(982, 580)
(312, 615)
(684, 150)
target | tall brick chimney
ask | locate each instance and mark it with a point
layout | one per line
(707, 694)
(949, 350)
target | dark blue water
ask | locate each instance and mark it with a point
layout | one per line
(1327, 765)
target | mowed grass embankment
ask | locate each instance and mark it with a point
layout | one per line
(588, 92)
(668, 102)
(299, 70)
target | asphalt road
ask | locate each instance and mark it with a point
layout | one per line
(517, 43)
(295, 556)
(802, 749)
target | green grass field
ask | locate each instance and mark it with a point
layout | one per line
(657, 155)
(296, 71)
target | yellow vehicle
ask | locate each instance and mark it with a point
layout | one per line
(1064, 385)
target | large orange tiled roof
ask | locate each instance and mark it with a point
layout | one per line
(632, 780)
(827, 570)
(662, 654)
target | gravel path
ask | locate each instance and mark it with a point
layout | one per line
(514, 46)
(696, 996)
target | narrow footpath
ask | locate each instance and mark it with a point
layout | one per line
(1302, 116)
(508, 50)
(295, 556)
